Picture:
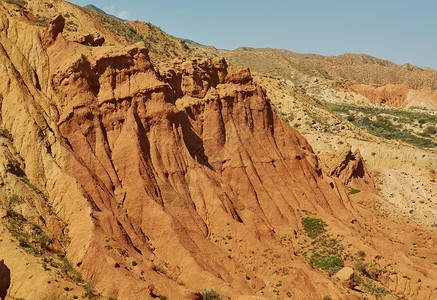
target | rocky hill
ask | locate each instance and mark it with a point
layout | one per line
(122, 178)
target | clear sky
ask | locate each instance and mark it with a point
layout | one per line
(398, 30)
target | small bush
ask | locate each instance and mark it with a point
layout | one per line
(134, 263)
(44, 240)
(361, 253)
(90, 293)
(159, 269)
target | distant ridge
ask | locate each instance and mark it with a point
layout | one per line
(358, 67)
(191, 42)
(95, 8)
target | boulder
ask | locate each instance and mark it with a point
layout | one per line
(346, 277)
(90, 39)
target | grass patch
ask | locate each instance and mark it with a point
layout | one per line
(313, 227)
(329, 263)
(353, 191)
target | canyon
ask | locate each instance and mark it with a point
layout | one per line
(180, 173)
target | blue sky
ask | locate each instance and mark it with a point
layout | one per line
(398, 30)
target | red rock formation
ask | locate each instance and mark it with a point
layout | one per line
(392, 94)
(170, 158)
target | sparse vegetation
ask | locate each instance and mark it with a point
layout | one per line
(184, 45)
(327, 254)
(370, 286)
(19, 3)
(32, 186)
(323, 252)
(5, 133)
(42, 21)
(391, 123)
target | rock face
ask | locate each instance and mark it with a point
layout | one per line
(346, 277)
(5, 279)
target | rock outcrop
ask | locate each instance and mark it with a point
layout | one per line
(347, 166)
(90, 39)
(5, 279)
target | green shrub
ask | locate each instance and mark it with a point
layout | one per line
(210, 294)
(329, 263)
(361, 253)
(313, 226)
(90, 292)
(44, 240)
(14, 199)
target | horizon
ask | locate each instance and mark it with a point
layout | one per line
(398, 31)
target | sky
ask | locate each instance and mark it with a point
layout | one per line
(398, 30)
